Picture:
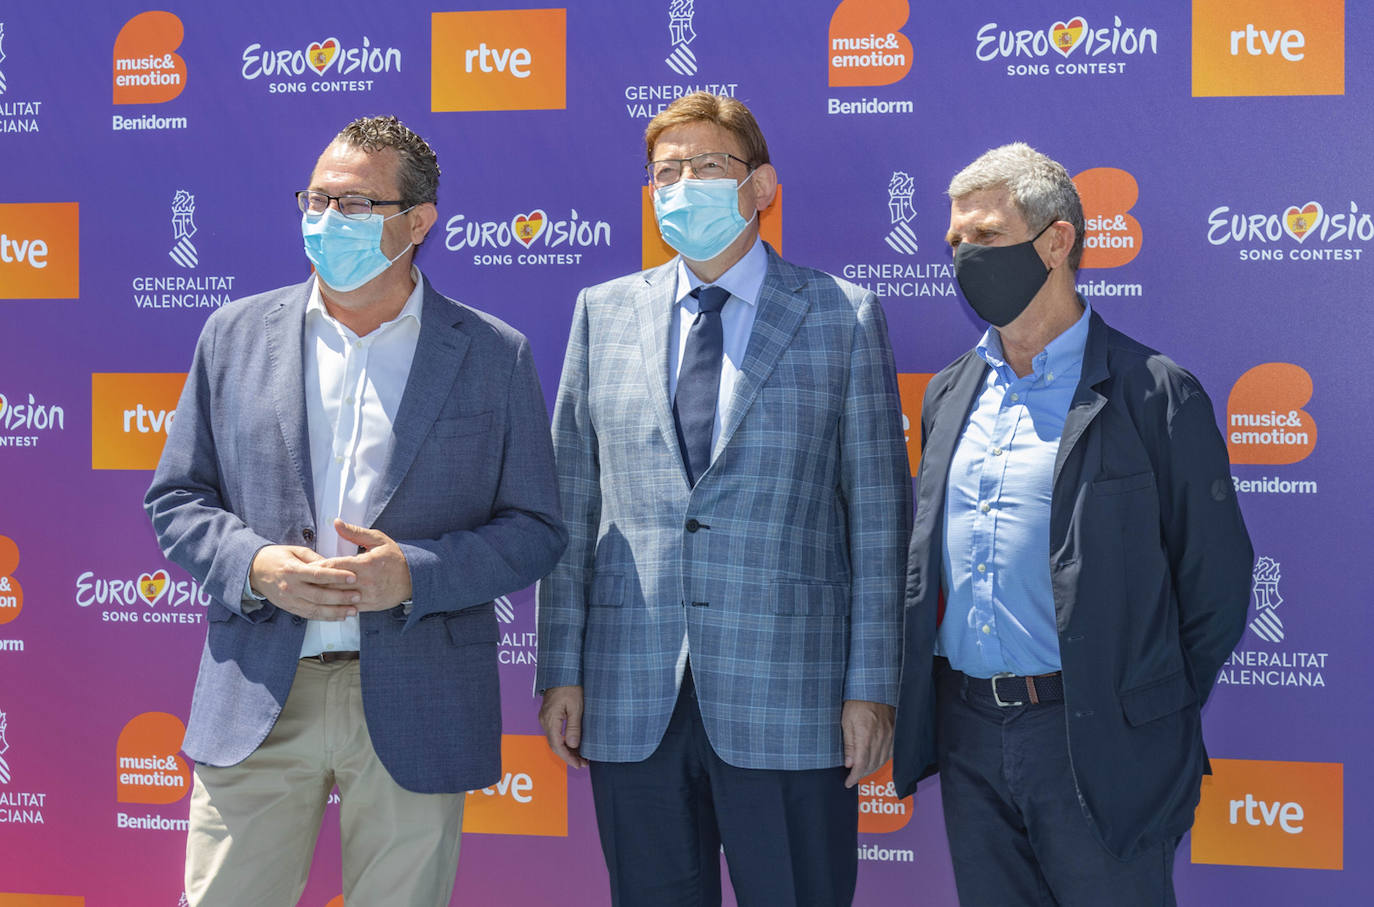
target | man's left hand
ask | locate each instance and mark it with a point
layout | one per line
(867, 728)
(382, 571)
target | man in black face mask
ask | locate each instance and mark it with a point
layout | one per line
(1078, 571)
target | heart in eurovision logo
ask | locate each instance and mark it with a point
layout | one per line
(527, 227)
(152, 586)
(1065, 36)
(1300, 222)
(321, 54)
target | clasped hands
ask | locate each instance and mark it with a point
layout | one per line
(305, 583)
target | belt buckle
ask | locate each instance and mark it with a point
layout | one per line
(997, 698)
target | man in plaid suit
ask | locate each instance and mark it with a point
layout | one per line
(720, 640)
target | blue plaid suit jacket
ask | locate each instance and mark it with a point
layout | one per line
(790, 588)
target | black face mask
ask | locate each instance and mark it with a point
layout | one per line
(1000, 281)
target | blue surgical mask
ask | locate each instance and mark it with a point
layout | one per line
(700, 218)
(346, 251)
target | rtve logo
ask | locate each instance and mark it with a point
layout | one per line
(530, 798)
(499, 60)
(39, 251)
(1268, 47)
(1283, 814)
(131, 414)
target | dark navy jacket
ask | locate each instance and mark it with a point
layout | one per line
(1150, 566)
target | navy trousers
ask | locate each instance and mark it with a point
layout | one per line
(1016, 831)
(790, 837)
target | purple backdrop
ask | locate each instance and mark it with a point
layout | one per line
(147, 162)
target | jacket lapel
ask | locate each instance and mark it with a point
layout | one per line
(439, 353)
(653, 305)
(1087, 401)
(946, 429)
(781, 307)
(285, 333)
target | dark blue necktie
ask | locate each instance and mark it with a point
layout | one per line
(698, 381)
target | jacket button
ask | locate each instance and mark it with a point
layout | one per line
(309, 535)
(693, 525)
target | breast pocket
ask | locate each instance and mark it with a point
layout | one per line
(1124, 484)
(461, 426)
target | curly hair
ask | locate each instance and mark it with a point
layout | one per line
(419, 171)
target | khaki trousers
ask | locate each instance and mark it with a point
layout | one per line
(254, 825)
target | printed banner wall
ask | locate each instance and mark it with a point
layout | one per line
(148, 159)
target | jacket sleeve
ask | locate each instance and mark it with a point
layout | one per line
(875, 482)
(1209, 550)
(194, 526)
(525, 534)
(562, 608)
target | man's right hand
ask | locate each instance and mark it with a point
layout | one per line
(289, 575)
(561, 716)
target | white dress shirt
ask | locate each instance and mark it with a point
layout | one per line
(744, 280)
(353, 388)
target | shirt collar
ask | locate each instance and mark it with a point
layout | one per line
(412, 309)
(1061, 356)
(743, 281)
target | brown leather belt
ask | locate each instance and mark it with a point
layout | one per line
(329, 658)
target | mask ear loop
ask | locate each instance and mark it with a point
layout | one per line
(411, 245)
(1040, 234)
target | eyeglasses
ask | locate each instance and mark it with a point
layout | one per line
(357, 207)
(707, 166)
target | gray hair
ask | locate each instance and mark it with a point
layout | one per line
(1040, 188)
(419, 170)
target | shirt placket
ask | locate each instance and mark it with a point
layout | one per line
(343, 446)
(991, 483)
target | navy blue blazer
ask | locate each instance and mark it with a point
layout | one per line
(1150, 568)
(469, 493)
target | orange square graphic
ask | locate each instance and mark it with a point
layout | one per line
(911, 386)
(654, 251)
(1268, 47)
(514, 59)
(1283, 814)
(41, 900)
(131, 413)
(39, 251)
(531, 796)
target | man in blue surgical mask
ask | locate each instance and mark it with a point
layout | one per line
(1078, 573)
(358, 468)
(720, 640)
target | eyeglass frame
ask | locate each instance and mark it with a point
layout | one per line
(681, 161)
(303, 203)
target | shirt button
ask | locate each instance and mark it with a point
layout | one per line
(997, 451)
(986, 628)
(982, 568)
(349, 399)
(985, 506)
(338, 459)
(1015, 397)
(357, 344)
(1049, 377)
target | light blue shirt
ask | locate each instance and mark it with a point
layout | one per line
(999, 606)
(744, 281)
